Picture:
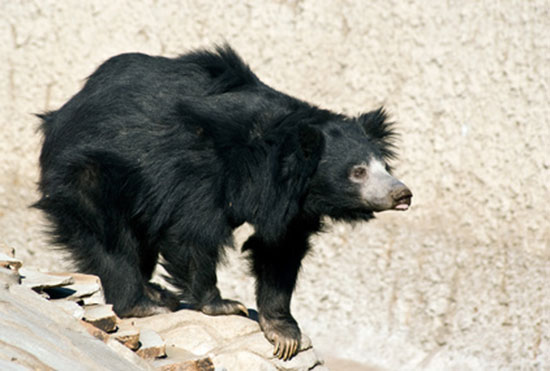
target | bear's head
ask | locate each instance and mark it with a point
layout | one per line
(353, 178)
(326, 165)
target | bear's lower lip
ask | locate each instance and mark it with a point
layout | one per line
(403, 203)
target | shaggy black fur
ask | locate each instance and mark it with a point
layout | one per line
(158, 156)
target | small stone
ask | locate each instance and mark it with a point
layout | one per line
(152, 345)
(101, 316)
(95, 299)
(9, 262)
(83, 286)
(39, 281)
(95, 332)
(128, 335)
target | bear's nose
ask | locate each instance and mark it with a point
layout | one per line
(401, 196)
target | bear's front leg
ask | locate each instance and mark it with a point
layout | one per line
(276, 269)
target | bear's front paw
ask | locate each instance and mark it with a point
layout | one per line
(284, 334)
(224, 306)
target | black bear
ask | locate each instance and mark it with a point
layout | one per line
(165, 157)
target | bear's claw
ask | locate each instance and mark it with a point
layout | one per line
(285, 348)
(224, 306)
(284, 334)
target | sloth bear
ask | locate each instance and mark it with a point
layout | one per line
(165, 157)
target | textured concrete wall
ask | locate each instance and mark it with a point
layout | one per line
(462, 279)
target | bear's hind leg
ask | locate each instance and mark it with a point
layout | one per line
(130, 295)
(90, 207)
(132, 261)
(123, 284)
(114, 259)
(193, 271)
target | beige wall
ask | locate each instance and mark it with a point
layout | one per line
(462, 279)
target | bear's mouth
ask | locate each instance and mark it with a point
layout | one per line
(403, 202)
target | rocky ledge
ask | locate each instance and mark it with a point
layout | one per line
(60, 321)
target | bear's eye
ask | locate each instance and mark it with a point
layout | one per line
(359, 173)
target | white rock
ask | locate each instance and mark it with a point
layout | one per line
(101, 316)
(70, 307)
(35, 334)
(242, 361)
(191, 337)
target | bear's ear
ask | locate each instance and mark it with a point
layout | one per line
(298, 157)
(376, 126)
